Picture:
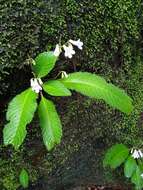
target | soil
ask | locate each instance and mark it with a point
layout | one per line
(94, 187)
(90, 187)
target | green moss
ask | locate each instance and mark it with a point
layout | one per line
(11, 163)
(111, 32)
(132, 126)
(107, 28)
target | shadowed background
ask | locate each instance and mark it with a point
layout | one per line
(112, 32)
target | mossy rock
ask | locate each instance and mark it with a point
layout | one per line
(108, 29)
(111, 32)
(89, 128)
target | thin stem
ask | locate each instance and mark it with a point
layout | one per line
(74, 66)
(41, 94)
(57, 75)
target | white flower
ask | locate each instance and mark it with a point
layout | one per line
(140, 153)
(64, 74)
(57, 50)
(142, 175)
(77, 43)
(69, 51)
(35, 84)
(136, 153)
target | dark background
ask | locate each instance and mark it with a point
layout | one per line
(112, 32)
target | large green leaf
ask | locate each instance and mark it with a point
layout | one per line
(44, 63)
(137, 179)
(116, 155)
(96, 87)
(24, 178)
(20, 112)
(130, 167)
(56, 88)
(50, 123)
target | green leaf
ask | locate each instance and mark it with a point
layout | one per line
(140, 163)
(56, 88)
(96, 87)
(130, 167)
(20, 112)
(44, 63)
(115, 156)
(137, 179)
(50, 123)
(24, 178)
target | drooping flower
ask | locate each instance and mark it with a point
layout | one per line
(136, 153)
(36, 84)
(57, 50)
(77, 43)
(142, 175)
(69, 51)
(64, 74)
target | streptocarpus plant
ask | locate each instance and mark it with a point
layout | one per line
(22, 107)
(131, 160)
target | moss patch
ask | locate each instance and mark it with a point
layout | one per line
(112, 36)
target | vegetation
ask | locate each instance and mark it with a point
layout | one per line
(23, 178)
(110, 31)
(23, 106)
(133, 165)
(112, 34)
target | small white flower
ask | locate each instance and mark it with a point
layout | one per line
(35, 85)
(32, 82)
(140, 153)
(142, 175)
(136, 153)
(64, 74)
(69, 51)
(77, 43)
(57, 50)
